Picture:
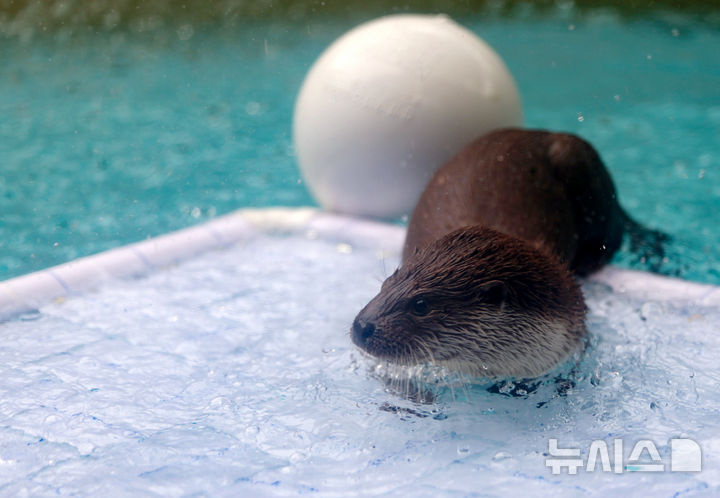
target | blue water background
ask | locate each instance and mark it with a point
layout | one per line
(111, 138)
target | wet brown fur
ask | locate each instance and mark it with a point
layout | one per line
(549, 189)
(490, 249)
(522, 332)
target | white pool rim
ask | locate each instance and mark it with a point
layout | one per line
(30, 292)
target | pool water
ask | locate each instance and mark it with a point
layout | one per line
(113, 137)
(233, 374)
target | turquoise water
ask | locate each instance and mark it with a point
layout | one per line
(111, 138)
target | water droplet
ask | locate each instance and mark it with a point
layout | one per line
(501, 455)
(344, 248)
(507, 387)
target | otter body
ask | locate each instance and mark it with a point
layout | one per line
(486, 286)
(549, 189)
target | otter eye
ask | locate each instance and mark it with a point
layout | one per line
(419, 306)
(494, 292)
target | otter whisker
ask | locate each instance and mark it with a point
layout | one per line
(426, 349)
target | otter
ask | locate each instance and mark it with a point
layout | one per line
(487, 285)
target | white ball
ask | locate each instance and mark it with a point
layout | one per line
(388, 103)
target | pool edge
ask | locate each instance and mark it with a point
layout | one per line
(29, 292)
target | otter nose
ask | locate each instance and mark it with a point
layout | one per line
(362, 331)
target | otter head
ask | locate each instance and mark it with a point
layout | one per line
(478, 302)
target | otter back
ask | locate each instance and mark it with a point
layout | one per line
(549, 189)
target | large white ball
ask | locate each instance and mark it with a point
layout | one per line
(388, 103)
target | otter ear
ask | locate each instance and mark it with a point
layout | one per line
(493, 292)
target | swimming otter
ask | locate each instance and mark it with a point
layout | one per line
(486, 285)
